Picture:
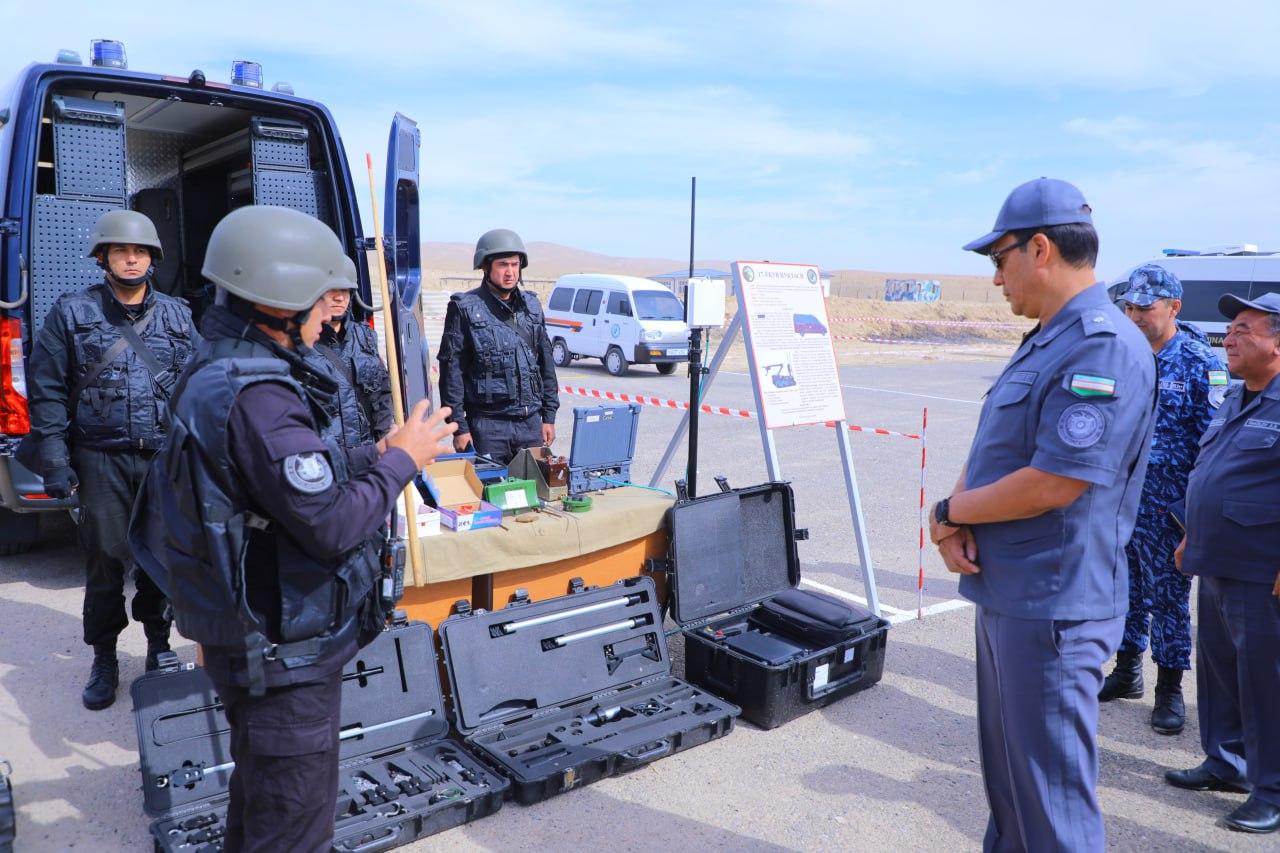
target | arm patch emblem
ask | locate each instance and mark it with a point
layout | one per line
(308, 472)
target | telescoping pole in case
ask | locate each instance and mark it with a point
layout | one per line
(695, 358)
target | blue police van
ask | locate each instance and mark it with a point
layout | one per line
(77, 140)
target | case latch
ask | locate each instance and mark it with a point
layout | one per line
(462, 607)
(576, 585)
(519, 598)
(723, 482)
(168, 662)
(801, 534)
(682, 490)
(401, 617)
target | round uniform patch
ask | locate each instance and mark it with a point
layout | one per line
(308, 472)
(1217, 393)
(1081, 425)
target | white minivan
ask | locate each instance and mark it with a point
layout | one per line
(619, 319)
(1207, 275)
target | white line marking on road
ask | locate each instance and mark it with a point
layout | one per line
(848, 596)
(932, 609)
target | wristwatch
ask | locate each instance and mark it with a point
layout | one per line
(942, 513)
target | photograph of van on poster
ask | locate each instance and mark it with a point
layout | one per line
(789, 347)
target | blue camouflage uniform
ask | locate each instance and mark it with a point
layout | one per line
(1192, 382)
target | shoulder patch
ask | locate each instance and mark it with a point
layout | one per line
(1096, 322)
(1219, 377)
(1086, 385)
(1081, 425)
(308, 472)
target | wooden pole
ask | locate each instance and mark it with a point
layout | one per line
(393, 366)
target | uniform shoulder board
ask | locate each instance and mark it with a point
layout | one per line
(1096, 323)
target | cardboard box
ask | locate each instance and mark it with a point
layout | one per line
(457, 485)
(428, 523)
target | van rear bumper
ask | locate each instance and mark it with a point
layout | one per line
(660, 353)
(18, 485)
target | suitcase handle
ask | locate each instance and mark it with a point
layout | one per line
(647, 753)
(386, 842)
(830, 686)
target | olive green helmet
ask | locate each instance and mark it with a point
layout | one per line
(124, 227)
(276, 256)
(499, 243)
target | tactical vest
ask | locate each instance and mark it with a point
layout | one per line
(360, 377)
(194, 520)
(125, 405)
(504, 379)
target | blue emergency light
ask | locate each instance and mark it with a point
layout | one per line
(246, 73)
(107, 53)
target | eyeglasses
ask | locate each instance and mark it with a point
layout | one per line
(997, 258)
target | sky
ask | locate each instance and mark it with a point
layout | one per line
(849, 134)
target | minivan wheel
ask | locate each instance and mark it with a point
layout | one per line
(614, 362)
(667, 369)
(560, 353)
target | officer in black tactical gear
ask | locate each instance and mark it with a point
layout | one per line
(103, 366)
(348, 352)
(263, 534)
(496, 371)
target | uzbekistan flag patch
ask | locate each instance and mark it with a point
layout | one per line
(1084, 385)
(1218, 377)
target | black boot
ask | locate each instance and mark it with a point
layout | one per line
(1125, 681)
(104, 677)
(1170, 712)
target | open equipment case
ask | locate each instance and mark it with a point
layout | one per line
(399, 777)
(751, 635)
(558, 694)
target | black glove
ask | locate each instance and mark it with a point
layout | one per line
(61, 482)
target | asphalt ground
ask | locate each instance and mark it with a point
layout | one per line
(895, 766)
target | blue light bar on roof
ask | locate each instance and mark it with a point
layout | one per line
(106, 53)
(246, 73)
(1176, 253)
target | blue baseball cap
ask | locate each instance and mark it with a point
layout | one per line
(1148, 284)
(1035, 204)
(1230, 305)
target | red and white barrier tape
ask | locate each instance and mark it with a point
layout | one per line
(682, 405)
(984, 324)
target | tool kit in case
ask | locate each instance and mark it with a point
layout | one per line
(399, 776)
(751, 635)
(558, 694)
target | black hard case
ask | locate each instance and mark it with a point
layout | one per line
(732, 551)
(552, 717)
(183, 734)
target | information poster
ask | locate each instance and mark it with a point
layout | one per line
(789, 343)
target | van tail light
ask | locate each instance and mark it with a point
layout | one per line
(14, 418)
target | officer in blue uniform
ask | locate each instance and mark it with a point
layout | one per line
(348, 351)
(102, 368)
(1039, 518)
(263, 534)
(1192, 383)
(496, 371)
(1233, 543)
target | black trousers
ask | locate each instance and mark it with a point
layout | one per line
(109, 484)
(284, 789)
(502, 438)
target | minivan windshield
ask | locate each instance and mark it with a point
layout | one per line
(656, 305)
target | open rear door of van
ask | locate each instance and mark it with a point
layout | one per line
(402, 242)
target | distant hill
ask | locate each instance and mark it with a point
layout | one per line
(552, 260)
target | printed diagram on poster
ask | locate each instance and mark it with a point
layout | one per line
(789, 343)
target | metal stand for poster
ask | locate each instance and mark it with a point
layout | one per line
(735, 326)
